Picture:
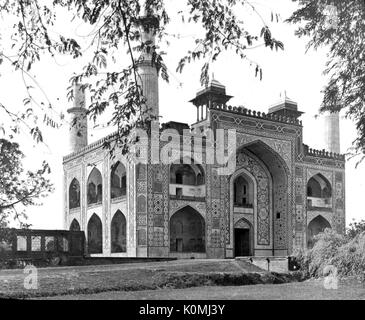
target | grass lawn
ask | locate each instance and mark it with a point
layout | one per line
(181, 279)
(125, 277)
(308, 290)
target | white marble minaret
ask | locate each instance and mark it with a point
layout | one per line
(78, 120)
(147, 69)
(332, 132)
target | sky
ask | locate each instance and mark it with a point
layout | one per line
(293, 70)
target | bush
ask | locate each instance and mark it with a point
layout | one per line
(330, 248)
(355, 228)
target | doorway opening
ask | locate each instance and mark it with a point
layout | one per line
(242, 242)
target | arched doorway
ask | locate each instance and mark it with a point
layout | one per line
(187, 231)
(94, 187)
(316, 226)
(95, 235)
(74, 194)
(243, 238)
(75, 226)
(119, 233)
(118, 180)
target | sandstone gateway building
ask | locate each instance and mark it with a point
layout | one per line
(280, 195)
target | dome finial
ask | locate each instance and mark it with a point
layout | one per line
(283, 94)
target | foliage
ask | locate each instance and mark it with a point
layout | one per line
(19, 188)
(339, 26)
(330, 248)
(116, 25)
(355, 228)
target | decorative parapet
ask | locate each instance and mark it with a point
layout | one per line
(89, 147)
(322, 154)
(257, 114)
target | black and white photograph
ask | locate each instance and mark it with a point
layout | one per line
(197, 151)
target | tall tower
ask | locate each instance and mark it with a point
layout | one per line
(332, 132)
(78, 121)
(146, 68)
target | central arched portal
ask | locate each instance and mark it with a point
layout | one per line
(187, 231)
(259, 194)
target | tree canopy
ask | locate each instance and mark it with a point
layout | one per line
(19, 188)
(115, 27)
(339, 26)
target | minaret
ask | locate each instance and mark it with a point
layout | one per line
(78, 121)
(332, 132)
(147, 71)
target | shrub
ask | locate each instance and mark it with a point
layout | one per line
(355, 228)
(345, 253)
(324, 250)
(350, 258)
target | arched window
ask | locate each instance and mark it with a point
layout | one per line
(187, 231)
(74, 194)
(319, 187)
(94, 187)
(118, 233)
(243, 192)
(75, 226)
(95, 235)
(118, 180)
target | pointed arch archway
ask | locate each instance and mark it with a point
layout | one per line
(95, 235)
(74, 194)
(319, 192)
(273, 187)
(118, 233)
(75, 226)
(118, 180)
(187, 231)
(94, 187)
(316, 226)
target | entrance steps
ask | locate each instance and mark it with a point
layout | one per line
(269, 263)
